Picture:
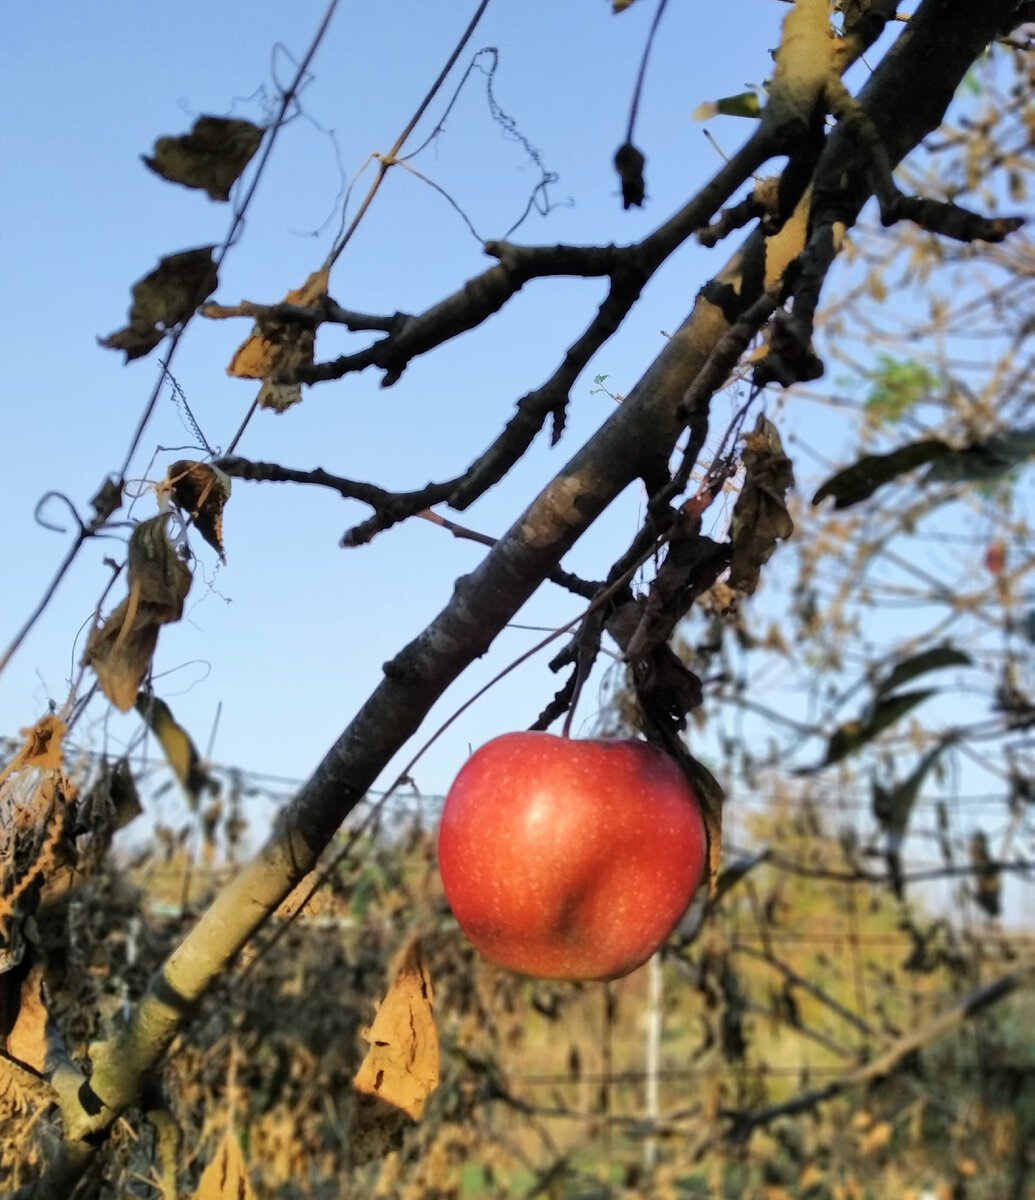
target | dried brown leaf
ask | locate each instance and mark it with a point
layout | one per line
(225, 1177)
(42, 746)
(201, 491)
(21, 1090)
(629, 163)
(760, 517)
(211, 157)
(401, 1066)
(27, 1039)
(164, 298)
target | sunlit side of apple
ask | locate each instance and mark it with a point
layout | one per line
(570, 859)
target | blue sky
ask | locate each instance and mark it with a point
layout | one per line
(290, 636)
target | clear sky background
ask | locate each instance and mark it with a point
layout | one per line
(289, 637)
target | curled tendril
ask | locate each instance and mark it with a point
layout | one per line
(40, 520)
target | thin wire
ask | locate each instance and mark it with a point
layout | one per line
(388, 160)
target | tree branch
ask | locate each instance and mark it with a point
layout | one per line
(742, 1124)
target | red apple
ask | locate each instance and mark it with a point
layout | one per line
(570, 859)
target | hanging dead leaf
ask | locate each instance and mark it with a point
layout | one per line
(629, 163)
(276, 346)
(201, 491)
(988, 892)
(120, 650)
(760, 517)
(27, 1039)
(666, 687)
(164, 298)
(691, 565)
(107, 500)
(225, 1177)
(401, 1067)
(211, 157)
(112, 802)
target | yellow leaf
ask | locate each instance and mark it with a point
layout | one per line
(401, 1066)
(180, 751)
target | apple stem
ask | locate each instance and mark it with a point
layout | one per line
(580, 678)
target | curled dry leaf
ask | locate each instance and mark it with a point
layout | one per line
(211, 157)
(401, 1067)
(692, 564)
(107, 500)
(276, 346)
(164, 298)
(41, 748)
(201, 491)
(760, 517)
(120, 649)
(629, 163)
(666, 688)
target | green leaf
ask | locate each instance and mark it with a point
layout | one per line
(853, 735)
(744, 104)
(859, 481)
(898, 385)
(893, 806)
(919, 664)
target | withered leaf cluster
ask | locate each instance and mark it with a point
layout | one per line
(279, 346)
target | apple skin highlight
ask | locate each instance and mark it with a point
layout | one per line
(569, 859)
